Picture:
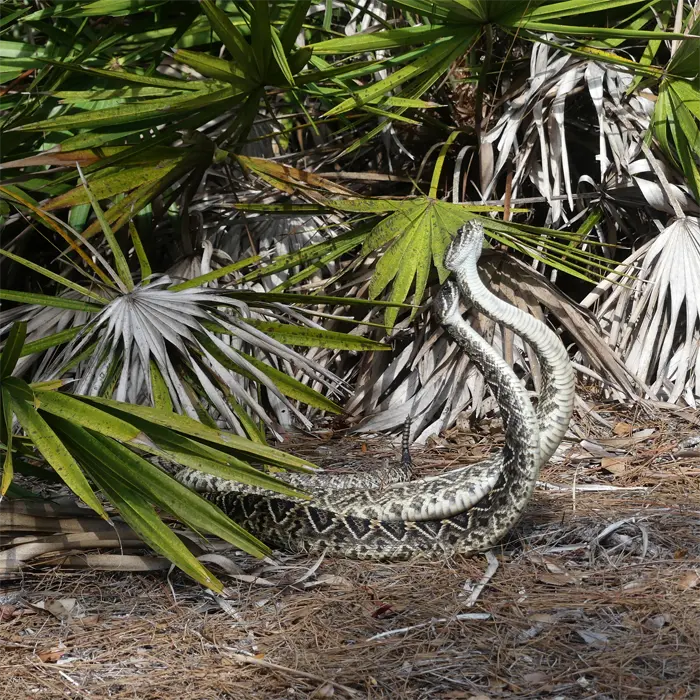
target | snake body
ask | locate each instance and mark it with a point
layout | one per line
(311, 526)
(304, 526)
(456, 491)
(327, 482)
(556, 399)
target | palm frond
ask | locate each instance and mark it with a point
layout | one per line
(653, 320)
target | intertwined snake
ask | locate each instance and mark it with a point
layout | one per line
(481, 502)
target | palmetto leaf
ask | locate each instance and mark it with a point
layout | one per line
(513, 14)
(315, 338)
(153, 323)
(417, 231)
(676, 123)
(389, 39)
(234, 41)
(661, 336)
(224, 441)
(6, 418)
(98, 443)
(143, 518)
(204, 352)
(110, 183)
(145, 110)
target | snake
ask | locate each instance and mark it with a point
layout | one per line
(308, 526)
(441, 496)
(304, 526)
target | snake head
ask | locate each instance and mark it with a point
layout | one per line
(446, 302)
(465, 246)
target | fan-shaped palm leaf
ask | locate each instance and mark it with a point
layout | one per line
(198, 343)
(653, 320)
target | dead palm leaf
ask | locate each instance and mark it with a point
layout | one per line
(653, 318)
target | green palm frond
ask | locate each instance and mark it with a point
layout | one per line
(101, 444)
(676, 119)
(413, 236)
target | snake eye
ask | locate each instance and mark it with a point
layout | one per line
(446, 301)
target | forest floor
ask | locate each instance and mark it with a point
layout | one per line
(597, 595)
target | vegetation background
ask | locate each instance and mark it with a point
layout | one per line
(221, 220)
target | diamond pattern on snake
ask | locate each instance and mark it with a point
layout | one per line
(463, 511)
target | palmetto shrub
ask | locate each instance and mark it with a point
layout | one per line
(148, 144)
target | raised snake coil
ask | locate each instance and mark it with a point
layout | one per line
(481, 508)
(458, 490)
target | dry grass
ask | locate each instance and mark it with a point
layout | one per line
(577, 609)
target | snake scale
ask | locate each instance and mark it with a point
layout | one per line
(481, 507)
(460, 489)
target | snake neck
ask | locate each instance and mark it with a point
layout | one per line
(556, 401)
(519, 418)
